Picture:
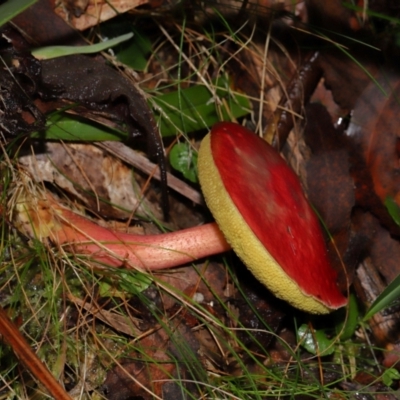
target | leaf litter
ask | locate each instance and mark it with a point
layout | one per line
(211, 325)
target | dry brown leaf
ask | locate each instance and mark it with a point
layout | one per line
(376, 133)
(85, 14)
(105, 184)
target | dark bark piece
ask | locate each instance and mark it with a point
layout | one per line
(92, 83)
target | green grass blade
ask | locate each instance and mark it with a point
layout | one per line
(347, 326)
(12, 8)
(386, 298)
(46, 53)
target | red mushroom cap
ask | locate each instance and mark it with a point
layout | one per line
(246, 182)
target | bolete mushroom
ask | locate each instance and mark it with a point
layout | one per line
(258, 204)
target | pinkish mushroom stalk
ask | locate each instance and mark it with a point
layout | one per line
(148, 252)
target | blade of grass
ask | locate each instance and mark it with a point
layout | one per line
(390, 294)
(46, 53)
(12, 8)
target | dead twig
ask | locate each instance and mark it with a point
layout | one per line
(28, 357)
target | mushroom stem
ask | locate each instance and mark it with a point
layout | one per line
(148, 252)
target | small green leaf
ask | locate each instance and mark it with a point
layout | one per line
(315, 342)
(389, 376)
(385, 299)
(135, 52)
(106, 289)
(184, 159)
(12, 8)
(196, 108)
(63, 126)
(393, 209)
(134, 282)
(129, 283)
(46, 53)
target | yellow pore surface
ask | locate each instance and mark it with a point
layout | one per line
(242, 239)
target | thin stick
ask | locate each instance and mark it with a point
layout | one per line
(135, 159)
(28, 357)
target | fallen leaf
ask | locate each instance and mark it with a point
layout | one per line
(91, 12)
(374, 134)
(104, 183)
